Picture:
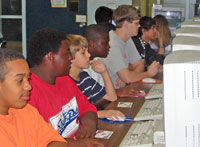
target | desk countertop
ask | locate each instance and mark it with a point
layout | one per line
(120, 130)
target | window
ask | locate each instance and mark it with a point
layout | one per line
(13, 24)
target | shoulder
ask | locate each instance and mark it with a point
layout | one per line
(64, 80)
(28, 110)
(84, 74)
(136, 40)
(66, 83)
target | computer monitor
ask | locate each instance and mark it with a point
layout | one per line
(174, 15)
(186, 43)
(181, 75)
(188, 31)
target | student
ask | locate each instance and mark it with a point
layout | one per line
(54, 94)
(103, 17)
(98, 47)
(96, 94)
(146, 34)
(163, 33)
(123, 52)
(20, 123)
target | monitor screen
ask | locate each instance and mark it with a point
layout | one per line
(173, 17)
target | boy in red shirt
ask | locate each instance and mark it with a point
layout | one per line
(54, 94)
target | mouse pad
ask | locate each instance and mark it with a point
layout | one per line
(127, 119)
(157, 82)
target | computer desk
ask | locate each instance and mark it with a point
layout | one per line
(120, 130)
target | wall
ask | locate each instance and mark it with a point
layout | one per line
(92, 5)
(39, 14)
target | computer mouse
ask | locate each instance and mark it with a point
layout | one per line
(149, 80)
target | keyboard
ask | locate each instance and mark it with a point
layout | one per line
(155, 92)
(151, 109)
(141, 133)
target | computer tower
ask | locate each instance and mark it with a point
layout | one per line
(181, 75)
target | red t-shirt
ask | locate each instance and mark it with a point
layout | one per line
(61, 104)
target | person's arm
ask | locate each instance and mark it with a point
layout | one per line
(102, 103)
(87, 115)
(161, 48)
(57, 144)
(45, 134)
(99, 67)
(110, 114)
(137, 66)
(86, 142)
(89, 124)
(129, 76)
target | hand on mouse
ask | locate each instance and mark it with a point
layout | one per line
(128, 92)
(111, 114)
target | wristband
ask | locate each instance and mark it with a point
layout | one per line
(162, 46)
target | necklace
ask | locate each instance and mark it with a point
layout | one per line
(143, 43)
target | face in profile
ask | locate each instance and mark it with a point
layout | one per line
(62, 60)
(152, 33)
(132, 27)
(102, 47)
(81, 59)
(14, 90)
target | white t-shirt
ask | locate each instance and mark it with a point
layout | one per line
(94, 74)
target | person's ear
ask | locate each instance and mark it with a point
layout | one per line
(144, 31)
(49, 56)
(125, 23)
(91, 45)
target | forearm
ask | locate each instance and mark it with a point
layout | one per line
(161, 51)
(89, 119)
(102, 103)
(110, 90)
(138, 66)
(132, 76)
(100, 114)
(57, 144)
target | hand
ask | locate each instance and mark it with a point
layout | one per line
(85, 132)
(153, 68)
(120, 83)
(87, 142)
(98, 66)
(160, 39)
(127, 92)
(110, 114)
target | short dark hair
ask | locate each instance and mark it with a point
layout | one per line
(103, 14)
(44, 41)
(5, 56)
(94, 32)
(146, 22)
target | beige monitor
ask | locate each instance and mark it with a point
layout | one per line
(188, 31)
(195, 24)
(185, 43)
